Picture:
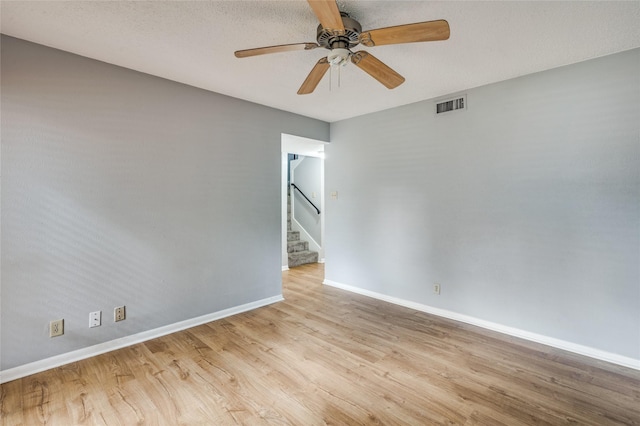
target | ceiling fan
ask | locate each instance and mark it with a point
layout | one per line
(340, 33)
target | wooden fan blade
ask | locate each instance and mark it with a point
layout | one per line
(409, 33)
(377, 69)
(314, 77)
(275, 49)
(328, 14)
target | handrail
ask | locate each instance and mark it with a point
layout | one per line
(305, 197)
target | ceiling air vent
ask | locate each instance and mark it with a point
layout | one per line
(451, 105)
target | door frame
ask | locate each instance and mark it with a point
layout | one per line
(291, 144)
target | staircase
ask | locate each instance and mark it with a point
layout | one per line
(297, 249)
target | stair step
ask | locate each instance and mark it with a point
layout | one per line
(299, 245)
(302, 257)
(293, 235)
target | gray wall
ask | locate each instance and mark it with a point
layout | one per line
(307, 176)
(119, 188)
(525, 207)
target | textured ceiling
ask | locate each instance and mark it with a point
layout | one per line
(193, 42)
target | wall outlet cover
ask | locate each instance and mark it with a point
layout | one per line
(95, 319)
(119, 314)
(56, 328)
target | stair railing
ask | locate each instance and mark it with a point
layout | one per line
(305, 197)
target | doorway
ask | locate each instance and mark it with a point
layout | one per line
(300, 146)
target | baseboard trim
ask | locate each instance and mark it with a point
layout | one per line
(285, 268)
(77, 355)
(511, 331)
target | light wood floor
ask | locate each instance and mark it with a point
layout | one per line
(325, 356)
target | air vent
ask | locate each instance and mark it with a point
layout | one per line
(451, 105)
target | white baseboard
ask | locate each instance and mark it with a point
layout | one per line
(511, 331)
(285, 268)
(77, 355)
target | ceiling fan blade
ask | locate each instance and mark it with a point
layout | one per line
(328, 14)
(275, 49)
(409, 33)
(377, 69)
(314, 77)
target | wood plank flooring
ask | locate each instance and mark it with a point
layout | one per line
(325, 356)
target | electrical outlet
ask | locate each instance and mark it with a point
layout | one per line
(119, 314)
(95, 319)
(56, 328)
(436, 288)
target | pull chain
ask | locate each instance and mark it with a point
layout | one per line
(332, 69)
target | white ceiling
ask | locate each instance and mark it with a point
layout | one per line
(193, 42)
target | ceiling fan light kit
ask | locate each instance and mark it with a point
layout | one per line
(339, 33)
(338, 56)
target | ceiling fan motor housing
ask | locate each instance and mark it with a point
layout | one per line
(331, 39)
